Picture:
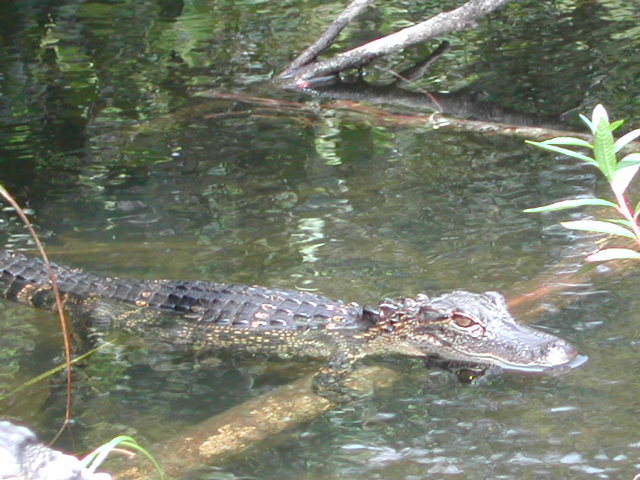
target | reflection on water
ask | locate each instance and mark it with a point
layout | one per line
(309, 238)
(126, 172)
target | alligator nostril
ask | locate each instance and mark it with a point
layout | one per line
(559, 353)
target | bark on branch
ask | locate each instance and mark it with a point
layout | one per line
(352, 11)
(458, 19)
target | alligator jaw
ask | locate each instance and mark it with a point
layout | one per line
(558, 358)
(552, 355)
(520, 348)
(551, 370)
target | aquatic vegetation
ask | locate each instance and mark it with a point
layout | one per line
(94, 459)
(619, 173)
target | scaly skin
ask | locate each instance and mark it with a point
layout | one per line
(220, 317)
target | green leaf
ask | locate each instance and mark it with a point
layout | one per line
(627, 138)
(624, 172)
(598, 115)
(613, 126)
(620, 221)
(599, 227)
(587, 121)
(573, 141)
(603, 146)
(95, 458)
(630, 159)
(565, 204)
(566, 151)
(613, 254)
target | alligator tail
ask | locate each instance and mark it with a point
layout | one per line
(27, 280)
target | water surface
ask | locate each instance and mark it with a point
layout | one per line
(127, 171)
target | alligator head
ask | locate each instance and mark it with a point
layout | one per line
(475, 328)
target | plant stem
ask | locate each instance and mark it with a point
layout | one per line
(625, 211)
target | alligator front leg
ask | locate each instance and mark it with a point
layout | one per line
(338, 382)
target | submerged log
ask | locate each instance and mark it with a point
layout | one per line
(432, 120)
(249, 425)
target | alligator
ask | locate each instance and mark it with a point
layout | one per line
(459, 326)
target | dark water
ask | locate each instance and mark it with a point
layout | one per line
(127, 170)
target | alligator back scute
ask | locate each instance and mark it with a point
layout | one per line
(225, 304)
(229, 304)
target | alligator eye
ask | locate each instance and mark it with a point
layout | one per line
(462, 320)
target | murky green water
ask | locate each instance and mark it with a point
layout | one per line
(127, 171)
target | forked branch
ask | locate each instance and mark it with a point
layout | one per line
(461, 18)
(353, 10)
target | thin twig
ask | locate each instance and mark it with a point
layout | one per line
(353, 10)
(418, 70)
(68, 352)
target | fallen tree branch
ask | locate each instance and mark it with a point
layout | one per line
(462, 104)
(378, 116)
(461, 18)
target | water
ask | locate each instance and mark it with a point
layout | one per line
(127, 171)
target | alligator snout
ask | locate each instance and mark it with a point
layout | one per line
(561, 356)
(552, 354)
(558, 353)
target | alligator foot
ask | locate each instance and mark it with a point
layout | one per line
(337, 386)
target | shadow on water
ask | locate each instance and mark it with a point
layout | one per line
(122, 177)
